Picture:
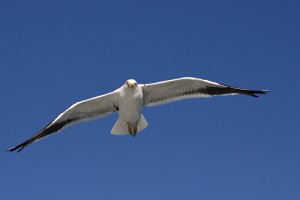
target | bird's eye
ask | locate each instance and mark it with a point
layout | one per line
(135, 84)
(126, 82)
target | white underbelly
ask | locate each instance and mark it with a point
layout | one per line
(130, 108)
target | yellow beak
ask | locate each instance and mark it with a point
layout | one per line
(130, 85)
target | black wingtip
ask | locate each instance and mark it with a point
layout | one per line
(11, 149)
(261, 91)
(254, 92)
(18, 148)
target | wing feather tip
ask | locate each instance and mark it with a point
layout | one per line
(11, 149)
(254, 92)
(18, 148)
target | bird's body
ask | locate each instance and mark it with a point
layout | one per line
(128, 101)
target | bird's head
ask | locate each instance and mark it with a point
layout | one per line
(131, 83)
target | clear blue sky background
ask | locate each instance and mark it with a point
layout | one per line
(54, 53)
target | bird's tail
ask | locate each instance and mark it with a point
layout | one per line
(142, 124)
(121, 127)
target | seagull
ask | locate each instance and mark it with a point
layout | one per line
(128, 101)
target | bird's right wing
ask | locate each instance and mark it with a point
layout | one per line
(188, 87)
(89, 109)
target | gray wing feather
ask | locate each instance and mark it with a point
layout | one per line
(89, 109)
(188, 87)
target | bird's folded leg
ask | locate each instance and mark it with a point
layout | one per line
(134, 131)
(129, 128)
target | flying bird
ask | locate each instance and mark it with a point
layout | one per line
(128, 101)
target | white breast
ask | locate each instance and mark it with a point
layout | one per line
(130, 104)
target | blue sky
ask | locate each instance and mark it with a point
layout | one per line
(54, 53)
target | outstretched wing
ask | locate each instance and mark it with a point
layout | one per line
(89, 109)
(188, 87)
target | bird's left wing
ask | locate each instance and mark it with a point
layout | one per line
(89, 109)
(188, 87)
